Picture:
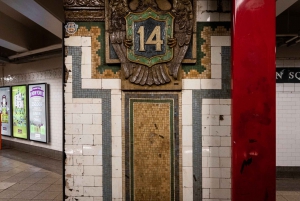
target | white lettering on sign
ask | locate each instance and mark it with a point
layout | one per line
(297, 76)
(279, 74)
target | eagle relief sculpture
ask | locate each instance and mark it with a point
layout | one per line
(150, 38)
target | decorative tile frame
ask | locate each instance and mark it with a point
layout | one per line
(175, 98)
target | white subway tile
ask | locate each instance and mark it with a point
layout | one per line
(83, 160)
(226, 141)
(208, 17)
(187, 97)
(92, 191)
(210, 101)
(97, 139)
(220, 109)
(211, 84)
(92, 170)
(220, 41)
(211, 141)
(220, 130)
(210, 183)
(75, 129)
(191, 84)
(98, 181)
(73, 108)
(74, 191)
(92, 129)
(225, 152)
(72, 41)
(98, 160)
(92, 108)
(187, 136)
(86, 71)
(73, 149)
(83, 139)
(117, 146)
(74, 170)
(289, 63)
(187, 156)
(86, 41)
(68, 60)
(84, 181)
(82, 100)
(116, 129)
(216, 71)
(213, 162)
(187, 194)
(225, 17)
(220, 193)
(111, 83)
(187, 177)
(216, 55)
(116, 105)
(187, 119)
(91, 83)
(205, 109)
(205, 130)
(117, 188)
(92, 150)
(226, 120)
(97, 119)
(116, 166)
(225, 183)
(82, 118)
(225, 172)
(86, 57)
(208, 120)
(215, 172)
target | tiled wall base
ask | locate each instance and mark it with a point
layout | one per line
(287, 172)
(33, 149)
(151, 152)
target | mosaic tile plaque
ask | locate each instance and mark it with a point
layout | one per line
(151, 147)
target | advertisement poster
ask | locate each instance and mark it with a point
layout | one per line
(19, 111)
(5, 111)
(37, 112)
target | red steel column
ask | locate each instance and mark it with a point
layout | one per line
(253, 100)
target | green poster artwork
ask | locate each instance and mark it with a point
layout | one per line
(19, 111)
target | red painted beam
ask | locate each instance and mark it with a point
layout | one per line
(253, 100)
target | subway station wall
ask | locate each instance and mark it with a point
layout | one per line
(287, 118)
(95, 115)
(44, 71)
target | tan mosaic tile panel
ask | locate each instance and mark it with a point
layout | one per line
(94, 33)
(152, 162)
(206, 48)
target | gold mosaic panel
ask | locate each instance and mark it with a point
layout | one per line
(151, 151)
(94, 33)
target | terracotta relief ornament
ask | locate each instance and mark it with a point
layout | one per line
(150, 38)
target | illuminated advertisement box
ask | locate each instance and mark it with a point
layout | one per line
(19, 111)
(5, 111)
(38, 112)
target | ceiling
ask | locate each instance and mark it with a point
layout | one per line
(32, 29)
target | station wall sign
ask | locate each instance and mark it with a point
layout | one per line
(288, 75)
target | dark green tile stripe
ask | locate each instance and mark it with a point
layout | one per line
(105, 95)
